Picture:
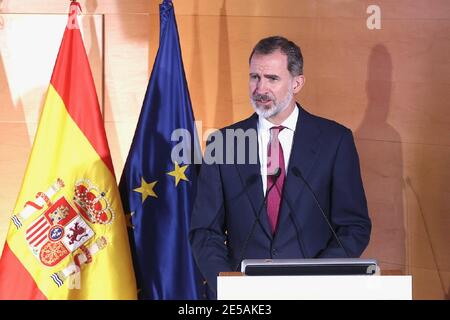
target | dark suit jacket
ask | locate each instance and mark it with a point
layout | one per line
(229, 197)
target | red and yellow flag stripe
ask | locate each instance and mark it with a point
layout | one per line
(70, 145)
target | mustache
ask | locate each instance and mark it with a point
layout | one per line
(261, 97)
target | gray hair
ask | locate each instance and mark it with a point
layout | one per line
(289, 48)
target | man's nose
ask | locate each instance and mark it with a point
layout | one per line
(261, 86)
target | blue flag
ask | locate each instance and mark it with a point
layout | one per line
(158, 190)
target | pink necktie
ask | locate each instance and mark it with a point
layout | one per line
(275, 159)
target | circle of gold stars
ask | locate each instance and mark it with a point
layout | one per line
(147, 188)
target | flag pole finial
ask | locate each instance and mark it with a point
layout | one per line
(74, 11)
(75, 3)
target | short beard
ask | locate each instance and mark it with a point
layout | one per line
(276, 109)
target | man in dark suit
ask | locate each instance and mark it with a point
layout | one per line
(264, 209)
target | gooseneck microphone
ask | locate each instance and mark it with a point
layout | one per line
(275, 174)
(298, 174)
(291, 211)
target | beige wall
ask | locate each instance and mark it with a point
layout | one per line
(390, 86)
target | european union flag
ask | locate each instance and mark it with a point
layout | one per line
(157, 189)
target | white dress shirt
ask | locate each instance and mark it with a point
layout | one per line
(285, 137)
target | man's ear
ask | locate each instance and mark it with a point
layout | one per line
(299, 82)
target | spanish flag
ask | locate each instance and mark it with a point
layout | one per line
(67, 238)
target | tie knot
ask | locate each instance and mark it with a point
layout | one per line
(275, 130)
(278, 128)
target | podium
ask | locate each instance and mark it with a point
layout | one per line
(314, 279)
(377, 287)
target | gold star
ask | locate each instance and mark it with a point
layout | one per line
(146, 189)
(178, 173)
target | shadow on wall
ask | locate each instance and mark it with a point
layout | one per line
(380, 150)
(198, 99)
(96, 56)
(223, 107)
(224, 98)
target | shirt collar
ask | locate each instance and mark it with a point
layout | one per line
(290, 122)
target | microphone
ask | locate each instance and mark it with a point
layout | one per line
(275, 174)
(298, 174)
(249, 181)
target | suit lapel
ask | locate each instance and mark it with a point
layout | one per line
(304, 153)
(252, 172)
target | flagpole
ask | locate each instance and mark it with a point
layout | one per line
(76, 3)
